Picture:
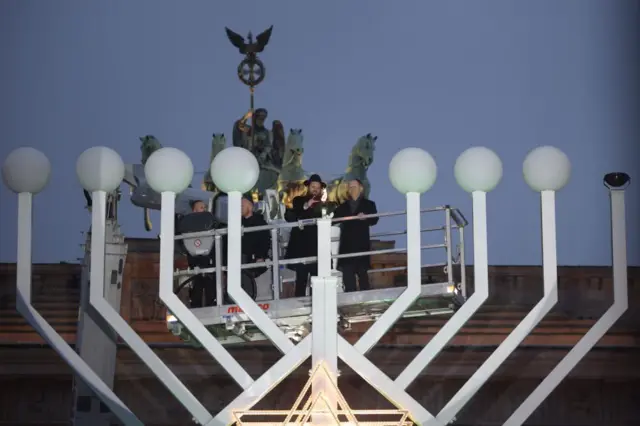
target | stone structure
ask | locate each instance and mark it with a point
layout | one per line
(600, 391)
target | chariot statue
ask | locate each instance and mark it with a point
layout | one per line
(266, 144)
(280, 158)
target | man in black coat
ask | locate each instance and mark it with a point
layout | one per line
(255, 245)
(304, 242)
(203, 289)
(355, 237)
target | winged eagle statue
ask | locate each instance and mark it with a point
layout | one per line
(249, 47)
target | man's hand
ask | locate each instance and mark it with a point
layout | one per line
(361, 216)
(259, 260)
(310, 203)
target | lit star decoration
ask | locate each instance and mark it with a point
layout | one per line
(301, 413)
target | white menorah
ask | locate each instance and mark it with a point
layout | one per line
(412, 171)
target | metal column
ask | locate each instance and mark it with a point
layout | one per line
(96, 341)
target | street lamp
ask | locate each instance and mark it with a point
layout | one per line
(478, 170)
(235, 171)
(26, 171)
(616, 183)
(616, 180)
(169, 171)
(412, 171)
(546, 170)
(100, 171)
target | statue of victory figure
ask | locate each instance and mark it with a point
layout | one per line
(267, 145)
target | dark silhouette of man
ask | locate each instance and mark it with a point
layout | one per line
(304, 242)
(355, 236)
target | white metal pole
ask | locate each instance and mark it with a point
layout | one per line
(217, 241)
(324, 322)
(600, 328)
(463, 265)
(26, 309)
(24, 262)
(294, 355)
(542, 308)
(234, 276)
(324, 247)
(113, 318)
(275, 267)
(353, 355)
(414, 280)
(466, 311)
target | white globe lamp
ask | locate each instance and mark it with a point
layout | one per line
(26, 170)
(235, 169)
(412, 170)
(478, 169)
(169, 170)
(546, 168)
(100, 169)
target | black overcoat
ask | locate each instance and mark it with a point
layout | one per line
(302, 242)
(354, 234)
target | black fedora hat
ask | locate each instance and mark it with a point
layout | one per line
(315, 178)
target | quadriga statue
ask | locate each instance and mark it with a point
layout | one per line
(218, 143)
(359, 162)
(292, 176)
(148, 145)
(267, 145)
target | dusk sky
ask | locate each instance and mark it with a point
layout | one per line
(443, 76)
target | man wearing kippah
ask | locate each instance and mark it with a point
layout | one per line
(303, 242)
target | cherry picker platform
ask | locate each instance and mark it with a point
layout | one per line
(230, 325)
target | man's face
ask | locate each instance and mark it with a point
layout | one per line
(247, 208)
(315, 188)
(260, 118)
(198, 207)
(355, 189)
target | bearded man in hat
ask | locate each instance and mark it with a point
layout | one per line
(355, 237)
(303, 242)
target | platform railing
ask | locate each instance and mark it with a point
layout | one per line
(451, 215)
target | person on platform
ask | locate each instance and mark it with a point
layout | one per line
(355, 236)
(303, 242)
(203, 289)
(198, 206)
(255, 245)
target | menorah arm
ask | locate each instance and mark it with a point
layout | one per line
(599, 329)
(25, 307)
(530, 321)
